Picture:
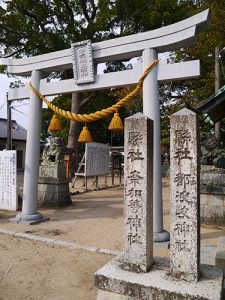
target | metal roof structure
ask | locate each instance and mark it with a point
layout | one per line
(18, 132)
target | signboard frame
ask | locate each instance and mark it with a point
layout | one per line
(8, 180)
(97, 159)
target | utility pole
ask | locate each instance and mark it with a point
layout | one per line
(217, 87)
(9, 124)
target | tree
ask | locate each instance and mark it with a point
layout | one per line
(175, 95)
(36, 27)
(32, 27)
(199, 90)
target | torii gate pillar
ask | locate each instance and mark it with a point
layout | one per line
(151, 109)
(29, 210)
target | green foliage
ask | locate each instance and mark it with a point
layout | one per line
(200, 89)
(31, 27)
(99, 129)
(64, 103)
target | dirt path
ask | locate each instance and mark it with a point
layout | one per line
(32, 270)
(36, 270)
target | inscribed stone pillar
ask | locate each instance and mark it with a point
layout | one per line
(184, 183)
(138, 181)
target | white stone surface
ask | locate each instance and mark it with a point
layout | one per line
(8, 180)
(104, 295)
(157, 284)
(185, 196)
(166, 38)
(138, 193)
(97, 159)
(32, 159)
(175, 71)
(82, 59)
(6, 231)
(52, 170)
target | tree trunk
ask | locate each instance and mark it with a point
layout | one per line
(74, 134)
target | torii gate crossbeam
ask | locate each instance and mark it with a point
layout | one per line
(147, 45)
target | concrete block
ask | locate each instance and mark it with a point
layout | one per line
(220, 259)
(52, 170)
(202, 210)
(53, 195)
(216, 200)
(221, 243)
(158, 284)
(208, 254)
(212, 211)
(214, 215)
(212, 189)
(204, 199)
(104, 295)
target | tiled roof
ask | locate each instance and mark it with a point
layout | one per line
(18, 132)
(214, 106)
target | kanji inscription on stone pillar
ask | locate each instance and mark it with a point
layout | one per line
(138, 162)
(184, 183)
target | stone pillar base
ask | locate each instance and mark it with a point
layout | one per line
(29, 219)
(163, 236)
(53, 192)
(119, 284)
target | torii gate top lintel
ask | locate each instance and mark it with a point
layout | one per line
(168, 38)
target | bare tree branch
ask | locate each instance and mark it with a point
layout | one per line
(84, 8)
(94, 7)
(87, 100)
(30, 15)
(69, 9)
(13, 53)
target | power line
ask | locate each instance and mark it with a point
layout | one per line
(4, 103)
(20, 112)
(20, 105)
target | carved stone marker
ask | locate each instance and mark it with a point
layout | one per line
(8, 189)
(177, 280)
(184, 198)
(138, 158)
(53, 186)
(82, 59)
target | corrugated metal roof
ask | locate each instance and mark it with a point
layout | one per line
(18, 132)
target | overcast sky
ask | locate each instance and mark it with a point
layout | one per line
(21, 118)
(21, 108)
(21, 115)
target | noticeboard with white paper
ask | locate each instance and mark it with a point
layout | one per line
(97, 159)
(8, 180)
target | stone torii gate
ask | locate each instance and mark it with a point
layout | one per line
(147, 45)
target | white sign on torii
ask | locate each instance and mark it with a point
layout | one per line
(147, 45)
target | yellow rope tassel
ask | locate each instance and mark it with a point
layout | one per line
(116, 123)
(98, 115)
(85, 136)
(55, 124)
